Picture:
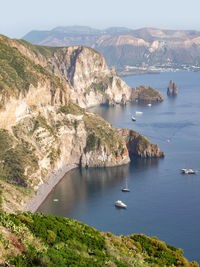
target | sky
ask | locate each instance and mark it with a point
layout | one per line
(18, 17)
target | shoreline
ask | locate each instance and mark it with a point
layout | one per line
(45, 189)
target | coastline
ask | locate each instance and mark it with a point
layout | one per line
(45, 189)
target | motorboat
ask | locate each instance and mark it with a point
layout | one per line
(139, 112)
(149, 105)
(133, 118)
(125, 189)
(120, 204)
(188, 171)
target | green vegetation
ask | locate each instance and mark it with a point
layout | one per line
(54, 155)
(91, 143)
(101, 132)
(46, 51)
(148, 93)
(40, 121)
(14, 158)
(0, 199)
(18, 72)
(71, 108)
(159, 253)
(98, 86)
(44, 240)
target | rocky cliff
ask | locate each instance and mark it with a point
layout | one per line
(139, 145)
(172, 90)
(42, 131)
(90, 80)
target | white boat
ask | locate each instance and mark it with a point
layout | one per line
(138, 112)
(188, 171)
(149, 105)
(125, 189)
(133, 118)
(120, 204)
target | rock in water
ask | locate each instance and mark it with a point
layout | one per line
(172, 90)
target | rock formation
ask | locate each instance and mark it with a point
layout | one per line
(148, 94)
(139, 145)
(84, 69)
(172, 90)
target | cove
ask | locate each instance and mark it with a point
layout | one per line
(162, 202)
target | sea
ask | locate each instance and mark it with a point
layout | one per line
(162, 201)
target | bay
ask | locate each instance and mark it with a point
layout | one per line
(162, 202)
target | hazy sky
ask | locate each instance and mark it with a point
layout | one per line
(21, 16)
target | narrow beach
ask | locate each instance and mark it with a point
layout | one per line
(44, 189)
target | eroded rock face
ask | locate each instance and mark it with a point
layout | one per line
(56, 137)
(172, 90)
(139, 145)
(91, 81)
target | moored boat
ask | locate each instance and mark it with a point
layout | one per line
(133, 118)
(125, 189)
(120, 204)
(188, 171)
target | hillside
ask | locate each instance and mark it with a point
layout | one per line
(123, 47)
(43, 133)
(42, 240)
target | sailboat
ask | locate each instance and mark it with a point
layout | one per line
(126, 189)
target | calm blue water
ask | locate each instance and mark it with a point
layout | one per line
(162, 201)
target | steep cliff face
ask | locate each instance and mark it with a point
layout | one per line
(84, 69)
(49, 139)
(41, 130)
(139, 145)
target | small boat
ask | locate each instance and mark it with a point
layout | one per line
(188, 171)
(133, 118)
(125, 189)
(138, 112)
(149, 105)
(120, 204)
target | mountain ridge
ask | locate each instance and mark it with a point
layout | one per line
(123, 47)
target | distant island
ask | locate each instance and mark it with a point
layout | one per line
(146, 50)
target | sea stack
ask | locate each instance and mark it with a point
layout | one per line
(172, 90)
